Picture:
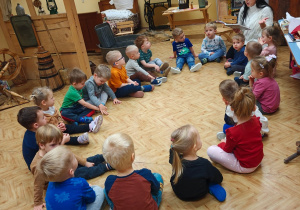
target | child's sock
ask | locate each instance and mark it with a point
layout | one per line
(95, 124)
(85, 119)
(83, 139)
(218, 191)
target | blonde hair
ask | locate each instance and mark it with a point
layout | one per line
(183, 140)
(112, 56)
(273, 31)
(177, 32)
(228, 88)
(48, 133)
(40, 94)
(243, 103)
(253, 49)
(131, 49)
(117, 151)
(239, 37)
(55, 164)
(260, 64)
(103, 71)
(77, 76)
(139, 41)
(210, 25)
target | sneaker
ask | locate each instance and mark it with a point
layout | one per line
(218, 191)
(204, 60)
(221, 135)
(196, 67)
(237, 74)
(162, 79)
(164, 66)
(156, 82)
(166, 72)
(83, 139)
(85, 120)
(147, 88)
(218, 60)
(175, 70)
(95, 124)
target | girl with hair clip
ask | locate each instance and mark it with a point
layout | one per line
(242, 150)
(265, 88)
(192, 176)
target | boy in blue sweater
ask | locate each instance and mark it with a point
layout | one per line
(239, 60)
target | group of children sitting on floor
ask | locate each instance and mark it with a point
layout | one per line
(240, 150)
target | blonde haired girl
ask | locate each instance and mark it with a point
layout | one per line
(242, 150)
(192, 176)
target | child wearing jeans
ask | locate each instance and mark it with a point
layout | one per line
(59, 167)
(135, 72)
(48, 137)
(129, 189)
(145, 60)
(183, 50)
(74, 108)
(242, 150)
(252, 50)
(213, 47)
(43, 97)
(192, 176)
(238, 61)
(228, 88)
(96, 91)
(265, 88)
(119, 82)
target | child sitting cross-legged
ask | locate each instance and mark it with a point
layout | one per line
(96, 91)
(74, 108)
(145, 60)
(252, 50)
(183, 50)
(213, 47)
(242, 150)
(48, 137)
(135, 72)
(192, 176)
(129, 189)
(238, 61)
(65, 191)
(119, 82)
(43, 97)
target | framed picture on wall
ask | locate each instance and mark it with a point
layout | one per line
(236, 4)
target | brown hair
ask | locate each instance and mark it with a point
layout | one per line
(48, 133)
(176, 32)
(253, 49)
(40, 94)
(27, 116)
(77, 76)
(260, 64)
(243, 103)
(273, 31)
(103, 71)
(139, 41)
(239, 37)
(183, 139)
(228, 89)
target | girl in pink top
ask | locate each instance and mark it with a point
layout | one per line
(270, 36)
(265, 88)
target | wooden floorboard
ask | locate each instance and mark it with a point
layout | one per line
(186, 98)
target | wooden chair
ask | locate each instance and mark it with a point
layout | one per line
(227, 31)
(124, 25)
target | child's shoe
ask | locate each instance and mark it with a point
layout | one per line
(83, 139)
(162, 79)
(95, 124)
(85, 120)
(147, 88)
(164, 66)
(218, 60)
(229, 71)
(218, 191)
(237, 74)
(166, 72)
(221, 135)
(204, 60)
(196, 67)
(156, 82)
(175, 70)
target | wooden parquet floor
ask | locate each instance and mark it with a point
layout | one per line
(186, 98)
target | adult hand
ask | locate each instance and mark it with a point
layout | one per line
(263, 21)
